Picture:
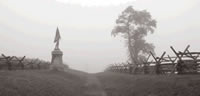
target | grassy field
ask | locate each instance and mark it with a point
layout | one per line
(143, 85)
(76, 83)
(42, 83)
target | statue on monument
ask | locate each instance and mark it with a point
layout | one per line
(57, 62)
(57, 39)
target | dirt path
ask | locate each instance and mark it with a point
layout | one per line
(93, 87)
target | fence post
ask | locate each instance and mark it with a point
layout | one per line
(8, 61)
(39, 65)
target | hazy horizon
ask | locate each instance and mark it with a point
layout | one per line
(28, 27)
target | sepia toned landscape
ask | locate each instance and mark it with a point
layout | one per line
(99, 48)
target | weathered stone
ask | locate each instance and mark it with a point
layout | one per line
(57, 62)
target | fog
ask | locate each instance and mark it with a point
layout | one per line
(28, 27)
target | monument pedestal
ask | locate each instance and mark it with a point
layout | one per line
(57, 62)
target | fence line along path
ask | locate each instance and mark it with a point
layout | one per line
(21, 63)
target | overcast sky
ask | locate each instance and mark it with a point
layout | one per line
(27, 27)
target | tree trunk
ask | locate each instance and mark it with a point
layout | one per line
(130, 50)
(131, 67)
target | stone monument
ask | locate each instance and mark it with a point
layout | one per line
(56, 61)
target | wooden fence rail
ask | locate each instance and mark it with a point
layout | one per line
(184, 62)
(17, 63)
